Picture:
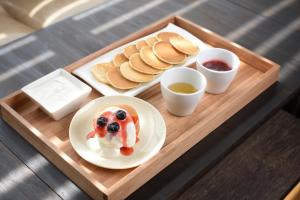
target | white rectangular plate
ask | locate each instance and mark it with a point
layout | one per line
(84, 71)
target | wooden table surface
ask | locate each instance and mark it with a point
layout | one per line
(268, 27)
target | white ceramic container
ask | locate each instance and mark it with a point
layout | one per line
(218, 81)
(178, 103)
(58, 93)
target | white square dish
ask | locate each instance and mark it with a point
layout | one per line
(57, 93)
(84, 71)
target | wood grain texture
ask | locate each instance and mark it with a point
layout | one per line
(41, 167)
(283, 11)
(41, 131)
(257, 168)
(18, 182)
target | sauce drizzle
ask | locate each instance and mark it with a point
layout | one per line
(102, 131)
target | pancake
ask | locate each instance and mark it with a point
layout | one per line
(149, 58)
(151, 41)
(128, 51)
(139, 65)
(183, 45)
(165, 36)
(112, 63)
(119, 59)
(116, 79)
(99, 71)
(167, 53)
(141, 44)
(133, 75)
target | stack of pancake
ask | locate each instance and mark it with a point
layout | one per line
(141, 62)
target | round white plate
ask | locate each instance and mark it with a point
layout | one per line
(152, 133)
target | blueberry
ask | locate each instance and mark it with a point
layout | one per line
(102, 121)
(121, 114)
(113, 127)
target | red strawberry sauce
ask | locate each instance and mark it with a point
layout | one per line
(102, 131)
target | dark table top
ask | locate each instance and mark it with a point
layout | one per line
(269, 27)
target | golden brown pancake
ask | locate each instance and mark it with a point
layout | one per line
(183, 45)
(167, 53)
(141, 44)
(165, 36)
(139, 65)
(149, 58)
(116, 79)
(99, 71)
(112, 63)
(119, 59)
(133, 75)
(150, 41)
(128, 51)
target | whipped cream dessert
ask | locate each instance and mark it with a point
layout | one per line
(116, 127)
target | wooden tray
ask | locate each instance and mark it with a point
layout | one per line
(51, 137)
